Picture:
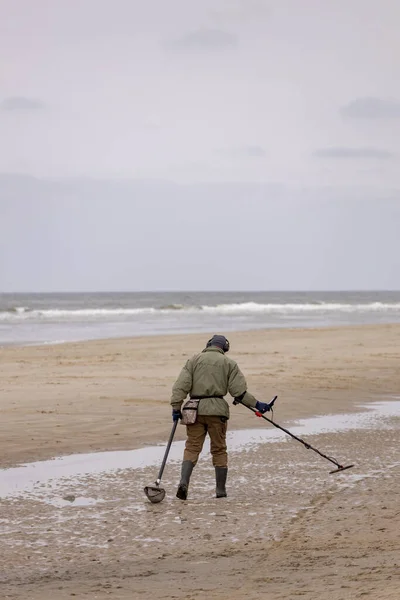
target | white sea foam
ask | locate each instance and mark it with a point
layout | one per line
(60, 314)
(254, 307)
(245, 308)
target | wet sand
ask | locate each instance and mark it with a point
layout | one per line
(287, 529)
(114, 394)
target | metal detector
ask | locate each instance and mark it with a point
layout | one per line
(339, 468)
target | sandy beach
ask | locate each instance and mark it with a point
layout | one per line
(288, 529)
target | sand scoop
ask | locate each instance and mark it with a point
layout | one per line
(155, 493)
(338, 466)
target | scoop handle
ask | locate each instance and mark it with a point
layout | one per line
(167, 449)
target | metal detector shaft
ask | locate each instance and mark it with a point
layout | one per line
(308, 446)
(171, 437)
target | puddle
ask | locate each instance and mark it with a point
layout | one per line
(41, 475)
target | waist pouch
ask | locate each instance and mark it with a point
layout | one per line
(189, 411)
(190, 408)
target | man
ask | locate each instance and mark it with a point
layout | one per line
(208, 377)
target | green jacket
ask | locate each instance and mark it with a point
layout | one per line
(211, 373)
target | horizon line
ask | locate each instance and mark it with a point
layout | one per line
(205, 291)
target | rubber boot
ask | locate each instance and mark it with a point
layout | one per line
(186, 471)
(220, 479)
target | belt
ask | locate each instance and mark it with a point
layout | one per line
(204, 397)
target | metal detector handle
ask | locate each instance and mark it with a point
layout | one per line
(171, 437)
(271, 404)
(239, 401)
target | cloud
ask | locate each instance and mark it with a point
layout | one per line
(254, 151)
(21, 103)
(244, 152)
(239, 12)
(205, 39)
(353, 153)
(371, 108)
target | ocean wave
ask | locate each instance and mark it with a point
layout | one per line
(173, 307)
(21, 313)
(19, 310)
(254, 307)
(57, 313)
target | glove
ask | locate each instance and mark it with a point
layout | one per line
(176, 414)
(262, 407)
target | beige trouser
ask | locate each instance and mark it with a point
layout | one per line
(196, 434)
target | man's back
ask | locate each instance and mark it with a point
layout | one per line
(209, 376)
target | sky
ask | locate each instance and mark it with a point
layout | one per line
(149, 132)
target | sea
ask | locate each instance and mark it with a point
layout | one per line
(54, 318)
